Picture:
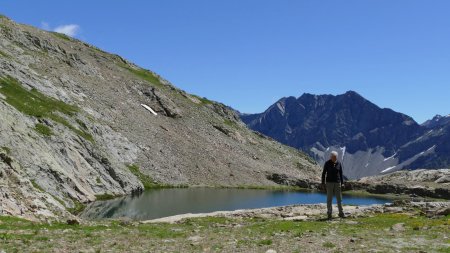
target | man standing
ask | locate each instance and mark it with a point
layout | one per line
(332, 172)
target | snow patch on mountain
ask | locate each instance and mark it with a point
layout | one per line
(385, 159)
(343, 152)
(388, 169)
(281, 108)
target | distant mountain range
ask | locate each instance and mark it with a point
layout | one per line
(371, 140)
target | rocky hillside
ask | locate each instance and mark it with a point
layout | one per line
(371, 140)
(73, 129)
(422, 182)
(422, 178)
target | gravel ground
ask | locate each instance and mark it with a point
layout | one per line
(400, 227)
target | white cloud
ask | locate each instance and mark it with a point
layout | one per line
(69, 30)
(45, 25)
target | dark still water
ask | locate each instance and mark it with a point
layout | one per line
(166, 202)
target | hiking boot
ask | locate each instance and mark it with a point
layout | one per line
(329, 217)
(341, 215)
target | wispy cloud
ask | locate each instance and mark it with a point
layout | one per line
(71, 30)
(45, 25)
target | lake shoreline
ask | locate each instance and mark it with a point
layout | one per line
(307, 212)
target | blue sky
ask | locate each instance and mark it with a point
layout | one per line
(249, 53)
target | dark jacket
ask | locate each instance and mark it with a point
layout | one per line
(333, 172)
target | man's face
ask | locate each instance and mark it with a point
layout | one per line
(333, 158)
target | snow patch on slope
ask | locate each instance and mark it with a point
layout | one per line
(343, 152)
(281, 108)
(385, 159)
(366, 163)
(388, 169)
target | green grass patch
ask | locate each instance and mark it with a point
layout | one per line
(265, 242)
(77, 208)
(444, 250)
(253, 232)
(146, 180)
(105, 196)
(328, 245)
(382, 222)
(59, 200)
(36, 185)
(217, 247)
(81, 124)
(4, 55)
(7, 150)
(203, 100)
(43, 129)
(36, 104)
(5, 29)
(143, 74)
(32, 102)
(11, 220)
(98, 50)
(161, 230)
(299, 166)
(230, 123)
(208, 221)
(15, 223)
(270, 227)
(61, 36)
(83, 134)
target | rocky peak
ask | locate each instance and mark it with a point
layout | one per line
(437, 121)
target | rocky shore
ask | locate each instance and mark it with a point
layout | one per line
(416, 183)
(423, 183)
(314, 212)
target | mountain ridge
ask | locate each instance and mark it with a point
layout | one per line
(379, 139)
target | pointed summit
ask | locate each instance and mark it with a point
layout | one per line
(352, 93)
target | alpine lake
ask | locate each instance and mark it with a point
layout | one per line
(158, 203)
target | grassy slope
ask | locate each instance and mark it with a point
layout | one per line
(217, 234)
(36, 104)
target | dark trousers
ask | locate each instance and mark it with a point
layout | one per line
(334, 189)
